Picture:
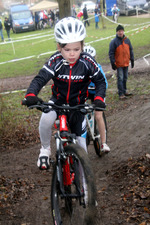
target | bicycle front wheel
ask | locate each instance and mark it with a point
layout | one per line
(78, 206)
(97, 141)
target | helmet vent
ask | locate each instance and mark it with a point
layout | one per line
(60, 31)
(80, 27)
(58, 36)
(70, 27)
(76, 27)
(82, 32)
(63, 29)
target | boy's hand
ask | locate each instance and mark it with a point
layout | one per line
(100, 104)
(32, 100)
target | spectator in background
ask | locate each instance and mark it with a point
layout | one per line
(36, 20)
(79, 15)
(85, 16)
(73, 12)
(7, 25)
(43, 17)
(1, 30)
(120, 54)
(57, 15)
(52, 18)
(97, 14)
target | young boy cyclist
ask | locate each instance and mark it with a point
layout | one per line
(71, 70)
(98, 114)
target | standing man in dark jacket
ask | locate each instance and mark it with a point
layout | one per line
(85, 16)
(52, 17)
(7, 25)
(120, 54)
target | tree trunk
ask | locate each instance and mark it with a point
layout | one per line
(102, 12)
(64, 8)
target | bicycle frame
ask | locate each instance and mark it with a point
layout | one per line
(91, 125)
(63, 137)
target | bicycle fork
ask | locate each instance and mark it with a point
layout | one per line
(91, 125)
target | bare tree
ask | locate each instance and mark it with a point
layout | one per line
(64, 8)
(102, 2)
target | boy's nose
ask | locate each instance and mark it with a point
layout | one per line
(71, 52)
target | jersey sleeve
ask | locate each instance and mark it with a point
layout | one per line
(44, 75)
(98, 79)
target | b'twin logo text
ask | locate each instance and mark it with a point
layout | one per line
(73, 77)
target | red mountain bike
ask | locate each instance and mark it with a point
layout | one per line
(73, 192)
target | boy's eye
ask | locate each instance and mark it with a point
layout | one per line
(66, 49)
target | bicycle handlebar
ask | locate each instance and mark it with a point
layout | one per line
(48, 106)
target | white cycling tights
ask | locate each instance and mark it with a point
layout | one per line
(45, 129)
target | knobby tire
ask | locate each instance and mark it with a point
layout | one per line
(68, 211)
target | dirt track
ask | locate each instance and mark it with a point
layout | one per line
(25, 191)
(10, 84)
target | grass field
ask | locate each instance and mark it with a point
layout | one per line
(17, 124)
(35, 43)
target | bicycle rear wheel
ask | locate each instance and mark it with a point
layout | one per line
(79, 210)
(97, 141)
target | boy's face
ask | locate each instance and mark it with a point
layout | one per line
(71, 52)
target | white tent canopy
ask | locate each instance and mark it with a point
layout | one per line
(44, 5)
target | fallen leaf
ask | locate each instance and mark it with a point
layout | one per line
(143, 223)
(146, 210)
(45, 198)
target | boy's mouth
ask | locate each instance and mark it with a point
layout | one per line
(72, 59)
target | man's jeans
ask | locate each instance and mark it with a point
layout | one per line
(8, 33)
(122, 76)
(1, 34)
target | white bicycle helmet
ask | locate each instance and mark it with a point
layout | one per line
(69, 30)
(89, 49)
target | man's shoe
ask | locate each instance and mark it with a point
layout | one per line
(105, 148)
(43, 159)
(122, 97)
(128, 94)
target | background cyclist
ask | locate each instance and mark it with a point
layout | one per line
(115, 10)
(71, 70)
(98, 114)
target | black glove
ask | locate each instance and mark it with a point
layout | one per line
(32, 100)
(114, 67)
(58, 102)
(100, 104)
(132, 63)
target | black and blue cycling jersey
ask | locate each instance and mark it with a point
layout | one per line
(91, 87)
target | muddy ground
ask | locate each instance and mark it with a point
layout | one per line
(122, 176)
